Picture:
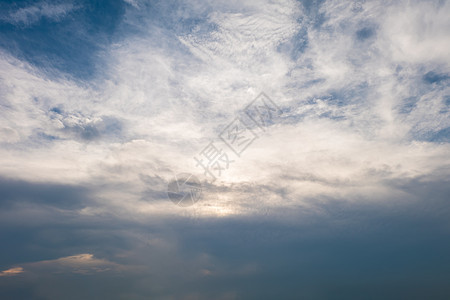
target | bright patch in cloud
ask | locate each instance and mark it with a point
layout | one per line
(12, 271)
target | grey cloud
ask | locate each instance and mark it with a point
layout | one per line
(254, 257)
(87, 128)
(14, 192)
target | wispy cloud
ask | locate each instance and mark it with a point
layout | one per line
(80, 264)
(12, 271)
(29, 15)
(345, 95)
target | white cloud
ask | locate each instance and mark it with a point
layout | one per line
(31, 14)
(174, 100)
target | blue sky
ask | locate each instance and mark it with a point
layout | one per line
(343, 195)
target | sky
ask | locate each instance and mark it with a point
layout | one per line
(328, 122)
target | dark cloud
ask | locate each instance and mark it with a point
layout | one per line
(338, 249)
(15, 192)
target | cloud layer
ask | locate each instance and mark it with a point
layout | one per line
(357, 161)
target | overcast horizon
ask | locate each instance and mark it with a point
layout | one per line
(335, 186)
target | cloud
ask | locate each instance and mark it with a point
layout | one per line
(80, 264)
(12, 271)
(352, 176)
(158, 104)
(27, 16)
